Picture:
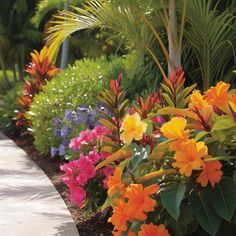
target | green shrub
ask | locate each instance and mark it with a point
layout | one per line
(78, 85)
(8, 108)
(3, 88)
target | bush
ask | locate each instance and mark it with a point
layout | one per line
(3, 89)
(78, 85)
(9, 107)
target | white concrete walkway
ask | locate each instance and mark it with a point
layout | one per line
(29, 203)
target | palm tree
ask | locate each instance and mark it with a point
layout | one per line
(150, 27)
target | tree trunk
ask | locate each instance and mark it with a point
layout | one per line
(6, 81)
(14, 73)
(174, 52)
(65, 46)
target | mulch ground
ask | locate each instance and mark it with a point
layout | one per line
(88, 224)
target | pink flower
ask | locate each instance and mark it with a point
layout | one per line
(93, 156)
(105, 155)
(102, 130)
(158, 119)
(75, 144)
(77, 195)
(107, 172)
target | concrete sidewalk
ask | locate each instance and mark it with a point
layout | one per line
(29, 203)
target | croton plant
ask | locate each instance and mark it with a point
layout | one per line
(41, 70)
(169, 159)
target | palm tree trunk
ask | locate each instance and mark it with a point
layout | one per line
(14, 73)
(174, 52)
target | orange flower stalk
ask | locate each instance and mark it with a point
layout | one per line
(139, 200)
(211, 173)
(119, 216)
(153, 230)
(133, 128)
(189, 156)
(175, 129)
(114, 183)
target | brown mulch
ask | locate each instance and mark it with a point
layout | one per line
(88, 224)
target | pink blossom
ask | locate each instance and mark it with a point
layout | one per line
(158, 119)
(77, 195)
(102, 130)
(93, 156)
(75, 144)
(105, 155)
(107, 172)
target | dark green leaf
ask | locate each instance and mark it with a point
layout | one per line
(223, 197)
(205, 213)
(172, 197)
(224, 122)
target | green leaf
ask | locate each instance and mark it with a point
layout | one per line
(172, 197)
(200, 135)
(223, 197)
(108, 124)
(167, 89)
(168, 99)
(223, 122)
(149, 126)
(184, 93)
(205, 213)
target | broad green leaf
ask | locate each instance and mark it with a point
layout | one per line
(184, 93)
(167, 89)
(223, 122)
(205, 213)
(223, 197)
(160, 150)
(172, 197)
(149, 126)
(200, 135)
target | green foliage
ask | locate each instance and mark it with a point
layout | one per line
(3, 89)
(8, 109)
(78, 85)
(172, 197)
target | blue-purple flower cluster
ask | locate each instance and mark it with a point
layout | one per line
(63, 129)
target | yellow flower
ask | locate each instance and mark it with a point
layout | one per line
(174, 129)
(189, 156)
(133, 128)
(197, 101)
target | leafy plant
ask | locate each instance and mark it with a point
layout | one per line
(76, 86)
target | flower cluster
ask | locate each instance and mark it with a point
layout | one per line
(72, 122)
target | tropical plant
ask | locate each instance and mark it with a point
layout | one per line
(174, 165)
(42, 70)
(78, 85)
(148, 28)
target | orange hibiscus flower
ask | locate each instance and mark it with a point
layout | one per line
(114, 183)
(175, 129)
(218, 96)
(153, 230)
(211, 173)
(139, 200)
(197, 101)
(119, 216)
(189, 156)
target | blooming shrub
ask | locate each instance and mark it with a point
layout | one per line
(78, 85)
(69, 127)
(173, 156)
(42, 70)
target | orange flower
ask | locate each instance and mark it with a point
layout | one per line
(133, 128)
(189, 156)
(139, 200)
(197, 101)
(211, 173)
(218, 96)
(153, 230)
(174, 129)
(119, 217)
(131, 233)
(114, 183)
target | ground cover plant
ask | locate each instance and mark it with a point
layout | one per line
(171, 158)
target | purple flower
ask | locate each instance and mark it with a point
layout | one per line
(68, 115)
(62, 150)
(64, 131)
(57, 132)
(54, 151)
(82, 109)
(57, 121)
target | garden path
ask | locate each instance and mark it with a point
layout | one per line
(29, 203)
